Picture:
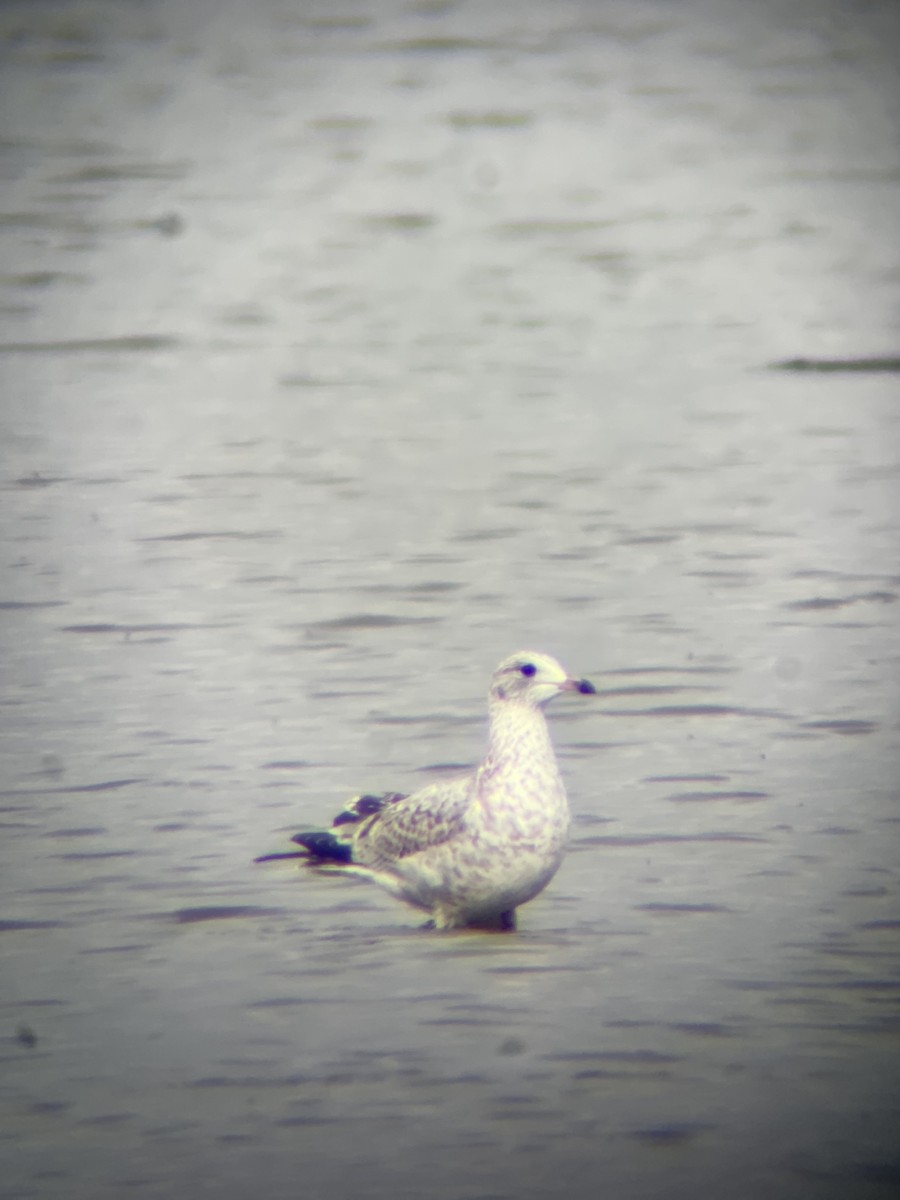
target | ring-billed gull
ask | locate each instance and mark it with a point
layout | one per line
(468, 851)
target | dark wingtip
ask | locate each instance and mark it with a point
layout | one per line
(322, 844)
(586, 687)
(363, 806)
(280, 855)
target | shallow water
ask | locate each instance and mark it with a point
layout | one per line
(345, 352)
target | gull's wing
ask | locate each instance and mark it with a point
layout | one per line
(376, 831)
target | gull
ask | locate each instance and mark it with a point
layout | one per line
(468, 851)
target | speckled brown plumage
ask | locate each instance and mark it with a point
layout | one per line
(469, 851)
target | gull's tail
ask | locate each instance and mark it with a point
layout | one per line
(322, 846)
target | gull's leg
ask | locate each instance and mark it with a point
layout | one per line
(504, 922)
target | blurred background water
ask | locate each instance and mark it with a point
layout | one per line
(347, 348)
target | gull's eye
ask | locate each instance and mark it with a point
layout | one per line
(528, 669)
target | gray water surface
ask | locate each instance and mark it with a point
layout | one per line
(346, 350)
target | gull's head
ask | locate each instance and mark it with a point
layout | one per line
(530, 678)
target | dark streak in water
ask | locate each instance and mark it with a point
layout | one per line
(96, 854)
(26, 1036)
(86, 831)
(140, 343)
(650, 690)
(694, 797)
(667, 670)
(302, 1121)
(653, 1058)
(438, 45)
(248, 1081)
(296, 1001)
(851, 985)
(128, 630)
(403, 222)
(703, 1028)
(654, 839)
(203, 535)
(469, 1022)
(526, 970)
(369, 621)
(814, 603)
(669, 1135)
(129, 948)
(111, 172)
(105, 786)
(698, 710)
(191, 916)
(37, 480)
(490, 119)
(8, 605)
(681, 909)
(845, 728)
(24, 926)
(872, 365)
(685, 779)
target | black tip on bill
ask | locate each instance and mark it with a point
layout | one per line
(586, 687)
